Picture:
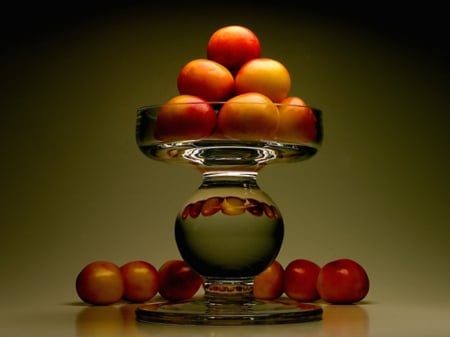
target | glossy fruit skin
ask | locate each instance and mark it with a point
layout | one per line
(297, 121)
(268, 285)
(178, 281)
(343, 281)
(177, 120)
(241, 118)
(140, 281)
(266, 76)
(300, 279)
(206, 79)
(232, 46)
(100, 283)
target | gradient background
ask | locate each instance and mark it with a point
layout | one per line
(75, 187)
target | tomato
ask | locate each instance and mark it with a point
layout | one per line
(140, 280)
(300, 278)
(178, 281)
(268, 285)
(100, 283)
(343, 281)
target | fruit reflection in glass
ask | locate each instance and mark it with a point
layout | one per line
(229, 230)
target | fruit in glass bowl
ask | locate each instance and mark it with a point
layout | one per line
(185, 117)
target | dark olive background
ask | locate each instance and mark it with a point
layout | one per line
(75, 188)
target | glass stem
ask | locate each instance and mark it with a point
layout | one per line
(230, 178)
(220, 291)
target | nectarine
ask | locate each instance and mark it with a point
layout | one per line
(185, 117)
(178, 281)
(100, 283)
(300, 279)
(232, 46)
(297, 121)
(140, 280)
(206, 79)
(268, 285)
(250, 116)
(343, 281)
(266, 76)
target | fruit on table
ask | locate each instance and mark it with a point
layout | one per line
(181, 121)
(266, 76)
(140, 281)
(232, 46)
(297, 121)
(178, 281)
(343, 281)
(207, 79)
(268, 285)
(100, 283)
(300, 279)
(249, 116)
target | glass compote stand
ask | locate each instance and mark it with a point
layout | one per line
(229, 230)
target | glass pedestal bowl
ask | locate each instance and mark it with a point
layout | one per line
(229, 230)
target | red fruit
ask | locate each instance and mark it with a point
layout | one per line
(300, 279)
(268, 285)
(185, 117)
(206, 79)
(232, 46)
(343, 281)
(100, 283)
(265, 76)
(297, 121)
(178, 281)
(250, 116)
(141, 281)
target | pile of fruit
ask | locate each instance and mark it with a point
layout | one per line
(343, 281)
(233, 92)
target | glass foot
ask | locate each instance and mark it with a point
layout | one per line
(199, 312)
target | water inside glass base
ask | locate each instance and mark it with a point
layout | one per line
(199, 312)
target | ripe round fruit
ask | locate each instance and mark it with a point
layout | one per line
(232, 46)
(140, 281)
(268, 284)
(185, 117)
(100, 283)
(266, 76)
(297, 121)
(178, 281)
(206, 79)
(300, 279)
(343, 281)
(250, 116)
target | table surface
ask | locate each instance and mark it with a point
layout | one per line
(77, 189)
(368, 318)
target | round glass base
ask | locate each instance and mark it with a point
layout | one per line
(199, 312)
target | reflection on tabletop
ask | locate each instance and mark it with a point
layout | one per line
(119, 320)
